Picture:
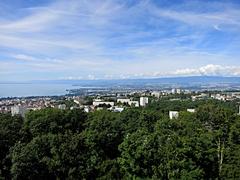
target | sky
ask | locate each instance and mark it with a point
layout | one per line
(118, 39)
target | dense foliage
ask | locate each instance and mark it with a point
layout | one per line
(138, 143)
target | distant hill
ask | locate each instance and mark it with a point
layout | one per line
(181, 81)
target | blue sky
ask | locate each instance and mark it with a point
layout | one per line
(112, 39)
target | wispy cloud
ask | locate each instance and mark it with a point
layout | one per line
(110, 39)
(209, 19)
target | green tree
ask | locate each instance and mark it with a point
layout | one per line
(54, 121)
(231, 165)
(177, 149)
(54, 156)
(103, 134)
(218, 120)
(9, 134)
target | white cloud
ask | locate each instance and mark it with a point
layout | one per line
(71, 78)
(24, 57)
(210, 69)
(91, 77)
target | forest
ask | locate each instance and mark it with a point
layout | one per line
(138, 143)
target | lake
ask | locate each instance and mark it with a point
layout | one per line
(23, 90)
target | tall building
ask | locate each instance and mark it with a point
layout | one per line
(143, 101)
(178, 91)
(173, 91)
(18, 110)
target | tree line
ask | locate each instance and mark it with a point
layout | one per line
(138, 143)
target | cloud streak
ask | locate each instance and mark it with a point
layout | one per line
(118, 38)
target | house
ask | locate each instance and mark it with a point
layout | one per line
(191, 110)
(173, 114)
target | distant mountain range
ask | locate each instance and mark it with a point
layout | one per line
(180, 81)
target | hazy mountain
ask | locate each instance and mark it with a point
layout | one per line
(190, 80)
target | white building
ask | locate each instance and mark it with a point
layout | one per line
(86, 109)
(156, 94)
(117, 109)
(218, 97)
(97, 103)
(123, 101)
(129, 102)
(173, 114)
(143, 101)
(18, 110)
(178, 91)
(76, 101)
(173, 91)
(134, 103)
(62, 106)
(201, 96)
(191, 110)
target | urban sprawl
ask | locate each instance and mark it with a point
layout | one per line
(114, 101)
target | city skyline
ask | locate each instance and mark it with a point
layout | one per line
(70, 39)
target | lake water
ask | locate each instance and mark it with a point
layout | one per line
(23, 90)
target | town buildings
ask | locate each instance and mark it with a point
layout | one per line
(18, 110)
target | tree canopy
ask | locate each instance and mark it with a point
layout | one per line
(138, 143)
